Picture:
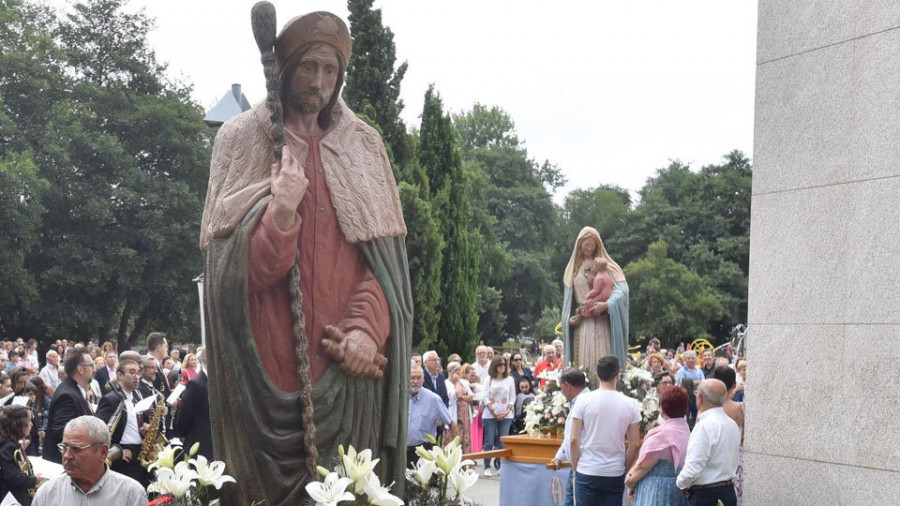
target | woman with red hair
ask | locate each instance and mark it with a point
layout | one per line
(651, 480)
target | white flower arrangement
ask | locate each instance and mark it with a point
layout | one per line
(548, 409)
(353, 480)
(192, 481)
(639, 386)
(445, 464)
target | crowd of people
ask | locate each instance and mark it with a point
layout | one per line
(56, 411)
(693, 454)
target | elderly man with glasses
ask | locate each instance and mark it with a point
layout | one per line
(87, 479)
(70, 400)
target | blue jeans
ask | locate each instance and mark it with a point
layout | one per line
(493, 430)
(599, 490)
(570, 493)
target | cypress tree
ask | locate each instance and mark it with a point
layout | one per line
(373, 85)
(439, 158)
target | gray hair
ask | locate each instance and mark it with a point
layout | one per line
(415, 367)
(557, 341)
(721, 362)
(131, 355)
(690, 354)
(714, 398)
(428, 354)
(452, 366)
(50, 353)
(550, 347)
(95, 427)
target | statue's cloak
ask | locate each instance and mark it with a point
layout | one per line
(259, 431)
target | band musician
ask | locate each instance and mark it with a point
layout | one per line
(126, 427)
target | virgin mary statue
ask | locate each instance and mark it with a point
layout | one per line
(601, 329)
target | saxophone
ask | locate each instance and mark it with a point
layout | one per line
(154, 439)
(25, 467)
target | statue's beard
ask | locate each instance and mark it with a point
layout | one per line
(306, 101)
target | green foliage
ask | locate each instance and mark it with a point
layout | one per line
(705, 217)
(668, 300)
(514, 206)
(124, 153)
(373, 85)
(438, 156)
(20, 222)
(545, 328)
(424, 247)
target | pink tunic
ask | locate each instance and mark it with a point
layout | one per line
(338, 286)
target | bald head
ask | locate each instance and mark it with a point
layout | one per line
(713, 392)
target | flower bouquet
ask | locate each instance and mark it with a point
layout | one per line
(438, 471)
(189, 482)
(639, 386)
(546, 412)
(353, 481)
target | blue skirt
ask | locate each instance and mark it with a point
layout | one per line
(657, 488)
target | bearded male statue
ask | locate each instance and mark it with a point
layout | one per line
(307, 282)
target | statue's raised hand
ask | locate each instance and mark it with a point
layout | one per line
(355, 351)
(288, 186)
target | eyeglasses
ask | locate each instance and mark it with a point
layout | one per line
(75, 449)
(517, 360)
(666, 383)
(91, 365)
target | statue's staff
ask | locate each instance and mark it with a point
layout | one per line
(262, 19)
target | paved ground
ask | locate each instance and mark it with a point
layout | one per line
(486, 491)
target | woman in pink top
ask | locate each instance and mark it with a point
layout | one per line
(651, 480)
(189, 368)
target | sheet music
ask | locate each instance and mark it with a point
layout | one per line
(9, 500)
(45, 468)
(144, 404)
(175, 395)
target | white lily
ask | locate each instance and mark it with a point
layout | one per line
(165, 458)
(422, 472)
(358, 466)
(330, 492)
(462, 479)
(177, 482)
(211, 473)
(378, 494)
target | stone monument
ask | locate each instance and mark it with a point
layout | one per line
(824, 304)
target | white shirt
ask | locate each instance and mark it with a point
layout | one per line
(31, 359)
(50, 375)
(562, 454)
(481, 370)
(131, 435)
(712, 452)
(501, 394)
(451, 396)
(605, 415)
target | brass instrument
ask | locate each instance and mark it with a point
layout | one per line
(115, 451)
(154, 439)
(25, 467)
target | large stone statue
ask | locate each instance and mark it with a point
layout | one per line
(307, 282)
(598, 328)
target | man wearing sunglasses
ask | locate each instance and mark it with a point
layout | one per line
(69, 399)
(87, 480)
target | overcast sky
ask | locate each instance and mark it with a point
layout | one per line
(610, 91)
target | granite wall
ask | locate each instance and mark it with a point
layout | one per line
(823, 409)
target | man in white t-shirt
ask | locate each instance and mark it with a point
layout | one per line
(600, 422)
